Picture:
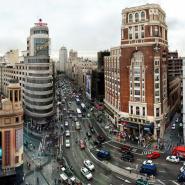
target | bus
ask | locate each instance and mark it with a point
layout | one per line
(77, 101)
(79, 112)
(83, 106)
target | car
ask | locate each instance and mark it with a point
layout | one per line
(101, 138)
(127, 157)
(75, 119)
(88, 115)
(88, 134)
(153, 155)
(67, 143)
(92, 130)
(97, 143)
(67, 133)
(149, 169)
(182, 169)
(82, 144)
(103, 154)
(173, 159)
(147, 162)
(77, 125)
(177, 120)
(86, 173)
(88, 164)
(141, 181)
(173, 126)
(125, 148)
(66, 123)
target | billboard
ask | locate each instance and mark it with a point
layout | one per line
(88, 86)
(19, 138)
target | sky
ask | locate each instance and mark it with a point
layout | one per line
(86, 26)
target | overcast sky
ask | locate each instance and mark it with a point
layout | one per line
(84, 25)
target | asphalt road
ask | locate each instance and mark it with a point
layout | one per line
(167, 172)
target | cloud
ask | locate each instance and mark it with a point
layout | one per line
(85, 25)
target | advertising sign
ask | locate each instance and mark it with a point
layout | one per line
(88, 86)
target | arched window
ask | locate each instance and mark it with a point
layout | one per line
(137, 77)
(130, 18)
(142, 16)
(136, 17)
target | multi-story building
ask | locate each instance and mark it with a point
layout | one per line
(62, 58)
(143, 71)
(174, 82)
(11, 136)
(34, 75)
(112, 83)
(174, 65)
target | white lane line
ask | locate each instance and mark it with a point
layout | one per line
(161, 182)
(174, 182)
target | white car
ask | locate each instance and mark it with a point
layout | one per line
(66, 123)
(173, 126)
(67, 132)
(88, 164)
(147, 162)
(182, 169)
(173, 159)
(86, 173)
(67, 143)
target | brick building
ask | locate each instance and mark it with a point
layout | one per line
(143, 72)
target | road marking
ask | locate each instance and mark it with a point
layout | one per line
(161, 181)
(174, 182)
(162, 171)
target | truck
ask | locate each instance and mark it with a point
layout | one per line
(179, 151)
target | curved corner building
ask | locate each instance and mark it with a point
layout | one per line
(38, 85)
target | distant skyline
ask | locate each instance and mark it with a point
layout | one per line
(86, 26)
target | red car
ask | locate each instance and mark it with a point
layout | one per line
(82, 144)
(125, 148)
(153, 155)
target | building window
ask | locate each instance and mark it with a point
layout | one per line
(17, 159)
(143, 111)
(156, 31)
(131, 109)
(157, 112)
(142, 16)
(137, 110)
(136, 36)
(142, 35)
(17, 119)
(136, 17)
(137, 92)
(130, 18)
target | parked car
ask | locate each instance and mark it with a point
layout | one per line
(67, 133)
(103, 154)
(77, 125)
(86, 173)
(127, 157)
(173, 159)
(181, 177)
(153, 155)
(66, 123)
(82, 144)
(67, 143)
(101, 138)
(88, 164)
(92, 130)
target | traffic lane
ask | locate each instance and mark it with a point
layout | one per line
(76, 156)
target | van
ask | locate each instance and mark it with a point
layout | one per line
(103, 154)
(181, 177)
(149, 169)
(77, 125)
